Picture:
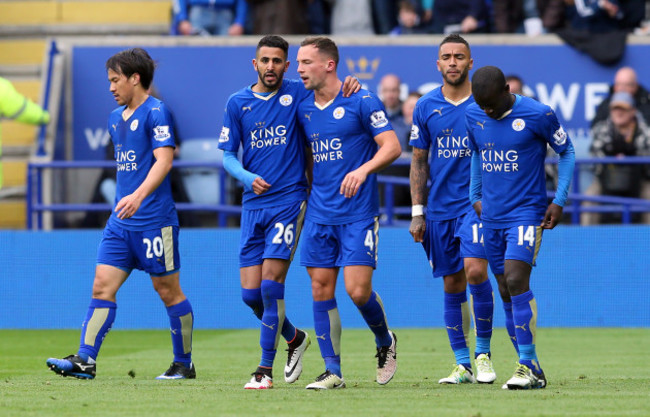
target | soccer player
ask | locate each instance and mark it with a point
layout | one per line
(262, 119)
(508, 135)
(142, 231)
(341, 222)
(452, 233)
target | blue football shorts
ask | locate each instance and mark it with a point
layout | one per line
(270, 232)
(448, 242)
(153, 251)
(520, 243)
(331, 246)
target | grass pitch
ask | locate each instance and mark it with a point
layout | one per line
(591, 372)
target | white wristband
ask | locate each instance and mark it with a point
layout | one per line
(417, 210)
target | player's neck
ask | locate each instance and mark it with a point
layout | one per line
(328, 92)
(136, 101)
(457, 92)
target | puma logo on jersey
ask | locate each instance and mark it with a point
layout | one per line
(246, 108)
(439, 111)
(481, 124)
(155, 108)
(308, 116)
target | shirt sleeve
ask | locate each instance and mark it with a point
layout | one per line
(162, 133)
(419, 137)
(231, 132)
(373, 114)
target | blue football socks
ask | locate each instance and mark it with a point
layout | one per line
(181, 321)
(374, 315)
(98, 322)
(524, 311)
(457, 322)
(327, 324)
(483, 304)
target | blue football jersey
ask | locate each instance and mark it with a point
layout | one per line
(134, 140)
(512, 152)
(439, 125)
(341, 137)
(273, 147)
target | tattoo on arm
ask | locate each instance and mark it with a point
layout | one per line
(419, 175)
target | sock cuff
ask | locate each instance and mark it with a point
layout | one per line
(180, 309)
(460, 297)
(483, 287)
(370, 303)
(326, 305)
(97, 303)
(272, 289)
(522, 298)
(251, 294)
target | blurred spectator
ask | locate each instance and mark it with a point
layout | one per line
(552, 13)
(288, 17)
(411, 19)
(14, 105)
(517, 16)
(599, 28)
(602, 16)
(389, 93)
(407, 111)
(460, 16)
(624, 133)
(625, 80)
(319, 14)
(209, 17)
(384, 15)
(352, 17)
(517, 86)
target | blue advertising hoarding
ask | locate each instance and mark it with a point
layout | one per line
(196, 81)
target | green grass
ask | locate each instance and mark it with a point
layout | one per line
(591, 372)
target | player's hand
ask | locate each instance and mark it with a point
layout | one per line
(260, 186)
(417, 229)
(478, 208)
(552, 217)
(350, 86)
(352, 182)
(235, 30)
(127, 206)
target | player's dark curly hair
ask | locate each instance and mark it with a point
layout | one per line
(132, 61)
(324, 45)
(454, 38)
(274, 41)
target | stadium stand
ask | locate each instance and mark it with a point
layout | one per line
(24, 28)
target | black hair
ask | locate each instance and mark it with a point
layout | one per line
(487, 82)
(455, 38)
(274, 41)
(133, 61)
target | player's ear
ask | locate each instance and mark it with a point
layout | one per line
(471, 63)
(255, 64)
(438, 65)
(286, 66)
(136, 78)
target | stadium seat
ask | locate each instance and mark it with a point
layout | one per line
(202, 184)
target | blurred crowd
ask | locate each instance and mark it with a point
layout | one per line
(401, 17)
